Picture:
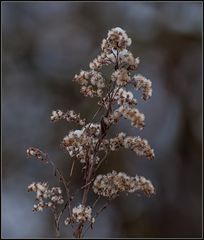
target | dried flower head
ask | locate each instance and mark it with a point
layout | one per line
(140, 82)
(111, 184)
(47, 198)
(117, 40)
(91, 83)
(69, 116)
(35, 152)
(80, 214)
(121, 77)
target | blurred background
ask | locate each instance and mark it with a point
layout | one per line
(44, 45)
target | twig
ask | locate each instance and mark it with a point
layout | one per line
(96, 215)
(87, 184)
(61, 212)
(57, 219)
(95, 114)
(65, 185)
(78, 231)
(57, 232)
(94, 204)
(102, 160)
(71, 171)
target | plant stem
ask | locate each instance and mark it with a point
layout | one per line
(78, 231)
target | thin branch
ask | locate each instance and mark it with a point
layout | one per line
(78, 231)
(94, 204)
(56, 221)
(89, 171)
(87, 184)
(61, 212)
(96, 215)
(72, 168)
(64, 183)
(95, 114)
(102, 160)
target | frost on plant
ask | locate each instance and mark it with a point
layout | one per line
(89, 144)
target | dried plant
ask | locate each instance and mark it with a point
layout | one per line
(90, 144)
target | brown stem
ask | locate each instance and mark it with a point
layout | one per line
(87, 184)
(98, 146)
(96, 215)
(102, 160)
(65, 183)
(110, 94)
(78, 231)
(97, 199)
(72, 168)
(57, 232)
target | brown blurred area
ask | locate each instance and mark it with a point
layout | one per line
(44, 45)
